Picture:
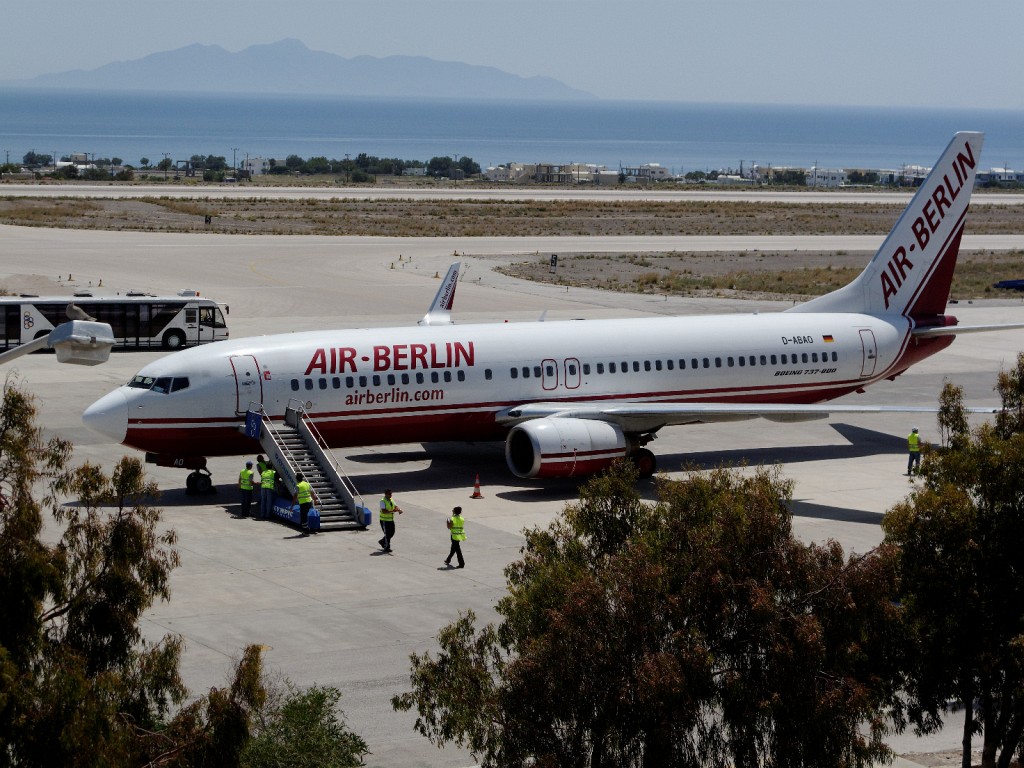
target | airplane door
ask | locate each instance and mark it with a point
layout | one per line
(869, 352)
(248, 384)
(549, 374)
(572, 373)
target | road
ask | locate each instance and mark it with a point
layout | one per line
(330, 608)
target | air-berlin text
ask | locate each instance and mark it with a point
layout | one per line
(927, 222)
(392, 357)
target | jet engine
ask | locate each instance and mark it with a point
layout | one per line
(557, 447)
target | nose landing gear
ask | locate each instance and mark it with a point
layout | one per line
(199, 482)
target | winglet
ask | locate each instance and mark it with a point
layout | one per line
(440, 312)
(911, 273)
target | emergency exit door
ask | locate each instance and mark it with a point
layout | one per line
(869, 352)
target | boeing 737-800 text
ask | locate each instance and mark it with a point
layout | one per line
(568, 397)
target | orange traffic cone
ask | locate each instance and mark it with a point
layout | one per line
(476, 488)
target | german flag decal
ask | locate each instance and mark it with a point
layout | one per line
(827, 338)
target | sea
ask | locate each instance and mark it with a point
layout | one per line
(680, 136)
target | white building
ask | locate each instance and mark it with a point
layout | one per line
(826, 177)
(255, 166)
(646, 172)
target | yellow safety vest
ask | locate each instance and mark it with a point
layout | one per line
(458, 528)
(387, 510)
(267, 479)
(245, 479)
(304, 492)
(914, 442)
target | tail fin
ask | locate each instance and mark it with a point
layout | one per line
(440, 312)
(911, 273)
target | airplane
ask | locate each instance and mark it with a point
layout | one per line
(569, 397)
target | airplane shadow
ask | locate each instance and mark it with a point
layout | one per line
(860, 442)
(455, 467)
(838, 514)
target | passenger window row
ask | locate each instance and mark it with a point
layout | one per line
(682, 364)
(376, 380)
(548, 370)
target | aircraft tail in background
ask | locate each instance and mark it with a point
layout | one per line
(440, 312)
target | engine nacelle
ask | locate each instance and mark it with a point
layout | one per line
(554, 447)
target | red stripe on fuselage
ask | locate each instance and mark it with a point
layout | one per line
(470, 421)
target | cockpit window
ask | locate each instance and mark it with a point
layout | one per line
(162, 385)
(142, 382)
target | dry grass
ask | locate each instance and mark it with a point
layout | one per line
(793, 275)
(782, 275)
(470, 218)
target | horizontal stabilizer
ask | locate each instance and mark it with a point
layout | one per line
(956, 330)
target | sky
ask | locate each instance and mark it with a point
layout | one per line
(918, 53)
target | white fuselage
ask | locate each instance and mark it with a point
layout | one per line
(374, 386)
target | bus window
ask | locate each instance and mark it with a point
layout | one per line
(211, 317)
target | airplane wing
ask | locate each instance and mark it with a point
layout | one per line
(440, 312)
(649, 417)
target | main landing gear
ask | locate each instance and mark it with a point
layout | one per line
(645, 461)
(199, 480)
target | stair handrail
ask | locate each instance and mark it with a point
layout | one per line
(299, 407)
(282, 449)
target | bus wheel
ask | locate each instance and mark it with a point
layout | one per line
(174, 340)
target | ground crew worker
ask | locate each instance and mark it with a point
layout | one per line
(304, 498)
(457, 526)
(914, 451)
(387, 519)
(268, 483)
(261, 464)
(245, 487)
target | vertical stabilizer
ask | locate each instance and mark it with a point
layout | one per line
(911, 273)
(440, 311)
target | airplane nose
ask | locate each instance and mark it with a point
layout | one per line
(109, 416)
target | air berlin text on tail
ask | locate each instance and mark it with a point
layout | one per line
(927, 221)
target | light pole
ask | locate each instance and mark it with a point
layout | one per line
(234, 163)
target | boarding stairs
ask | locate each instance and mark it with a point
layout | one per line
(295, 445)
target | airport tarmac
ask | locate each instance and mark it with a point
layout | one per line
(331, 608)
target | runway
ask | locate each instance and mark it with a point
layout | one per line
(330, 608)
(448, 190)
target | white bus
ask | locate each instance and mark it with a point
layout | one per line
(138, 322)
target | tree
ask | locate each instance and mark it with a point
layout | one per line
(961, 583)
(695, 631)
(305, 730)
(440, 166)
(144, 162)
(317, 165)
(469, 166)
(77, 678)
(34, 159)
(78, 684)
